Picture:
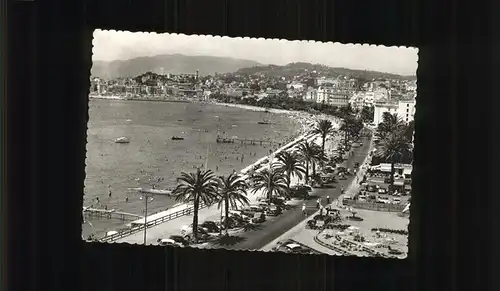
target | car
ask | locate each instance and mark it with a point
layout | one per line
(294, 248)
(356, 165)
(273, 210)
(167, 242)
(232, 222)
(371, 188)
(382, 191)
(187, 232)
(258, 207)
(210, 226)
(396, 200)
(259, 217)
(283, 242)
(179, 240)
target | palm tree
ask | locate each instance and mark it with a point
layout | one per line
(271, 182)
(311, 154)
(390, 123)
(289, 163)
(324, 128)
(195, 188)
(232, 191)
(392, 149)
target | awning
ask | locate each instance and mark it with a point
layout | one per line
(385, 167)
(407, 171)
(399, 183)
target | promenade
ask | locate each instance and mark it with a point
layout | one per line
(210, 213)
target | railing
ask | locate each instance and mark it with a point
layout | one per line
(155, 222)
(374, 206)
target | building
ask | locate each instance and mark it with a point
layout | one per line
(332, 97)
(311, 95)
(296, 86)
(405, 109)
(382, 106)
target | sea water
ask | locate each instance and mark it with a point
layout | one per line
(152, 154)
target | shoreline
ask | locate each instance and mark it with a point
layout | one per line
(121, 98)
(303, 118)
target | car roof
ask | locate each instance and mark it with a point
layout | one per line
(293, 245)
(167, 240)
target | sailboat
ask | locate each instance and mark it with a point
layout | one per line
(265, 120)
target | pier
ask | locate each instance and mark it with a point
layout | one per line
(109, 214)
(245, 141)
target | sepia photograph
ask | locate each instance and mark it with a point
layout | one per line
(300, 147)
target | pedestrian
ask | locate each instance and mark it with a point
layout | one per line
(109, 193)
(304, 209)
(327, 199)
(126, 199)
(342, 189)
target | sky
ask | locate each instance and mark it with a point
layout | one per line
(110, 45)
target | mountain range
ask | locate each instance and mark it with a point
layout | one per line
(294, 69)
(209, 65)
(174, 64)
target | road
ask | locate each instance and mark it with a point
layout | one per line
(276, 226)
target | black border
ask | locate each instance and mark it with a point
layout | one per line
(46, 145)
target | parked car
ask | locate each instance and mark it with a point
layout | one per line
(210, 226)
(259, 217)
(233, 221)
(187, 232)
(178, 239)
(283, 242)
(396, 201)
(382, 191)
(167, 242)
(294, 248)
(273, 210)
(371, 188)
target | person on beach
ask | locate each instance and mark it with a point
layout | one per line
(109, 193)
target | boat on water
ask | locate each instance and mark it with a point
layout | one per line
(265, 119)
(122, 140)
(177, 138)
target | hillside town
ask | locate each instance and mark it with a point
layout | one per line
(311, 88)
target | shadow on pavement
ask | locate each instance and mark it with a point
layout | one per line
(229, 240)
(252, 227)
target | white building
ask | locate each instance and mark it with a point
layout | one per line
(405, 109)
(296, 86)
(332, 97)
(311, 95)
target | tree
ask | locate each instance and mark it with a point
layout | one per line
(392, 149)
(289, 163)
(390, 123)
(232, 191)
(350, 127)
(324, 128)
(310, 153)
(271, 182)
(367, 114)
(195, 188)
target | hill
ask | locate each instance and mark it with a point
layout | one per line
(174, 64)
(294, 69)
